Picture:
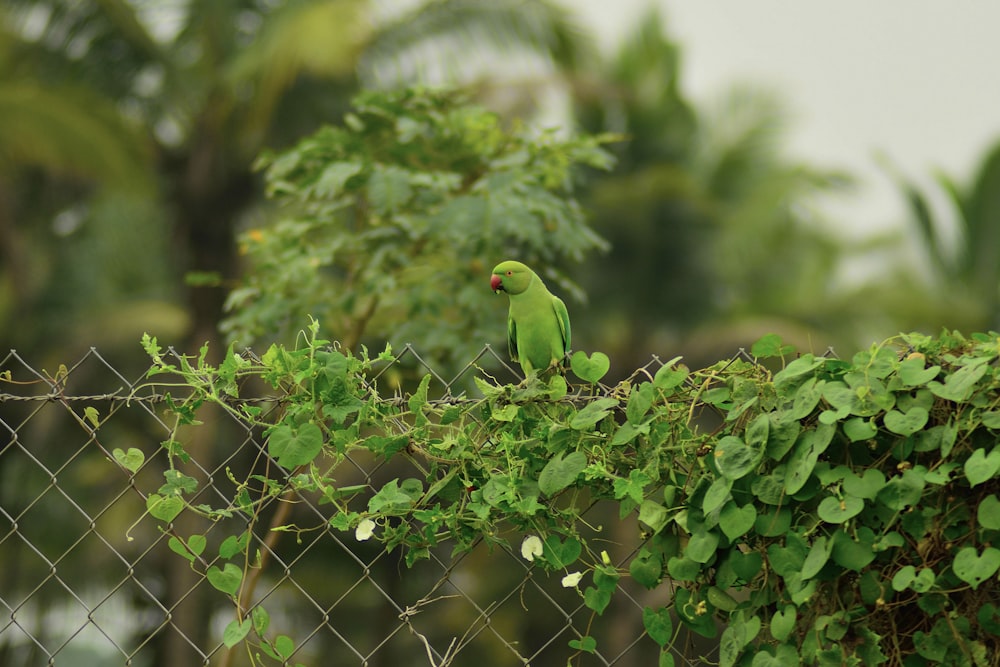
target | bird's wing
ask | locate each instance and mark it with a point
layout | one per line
(512, 338)
(562, 316)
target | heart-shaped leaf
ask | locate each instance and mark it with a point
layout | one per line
(164, 508)
(561, 471)
(658, 624)
(590, 369)
(783, 623)
(735, 521)
(906, 423)
(227, 579)
(981, 466)
(561, 554)
(734, 459)
(913, 373)
(293, 447)
(974, 568)
(867, 486)
(646, 569)
(592, 413)
(189, 550)
(131, 460)
(838, 510)
(988, 512)
(701, 547)
(853, 554)
(236, 632)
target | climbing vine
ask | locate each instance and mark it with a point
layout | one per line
(825, 512)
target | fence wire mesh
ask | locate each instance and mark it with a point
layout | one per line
(90, 578)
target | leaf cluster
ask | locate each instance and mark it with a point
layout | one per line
(832, 512)
(397, 215)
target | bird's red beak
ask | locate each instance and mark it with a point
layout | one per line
(496, 283)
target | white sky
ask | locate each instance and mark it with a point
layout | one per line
(918, 80)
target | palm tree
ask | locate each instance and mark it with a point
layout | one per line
(963, 283)
(710, 220)
(212, 83)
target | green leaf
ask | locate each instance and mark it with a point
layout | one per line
(561, 554)
(912, 372)
(233, 545)
(783, 623)
(668, 377)
(838, 510)
(586, 644)
(902, 491)
(735, 521)
(653, 514)
(960, 385)
(803, 459)
(294, 447)
(854, 554)
(593, 412)
(261, 620)
(796, 371)
(734, 459)
(590, 369)
(646, 569)
(974, 568)
(988, 512)
(807, 397)
(639, 403)
(658, 624)
(717, 494)
(859, 428)
(981, 466)
(819, 554)
(91, 415)
(131, 460)
(284, 646)
(626, 433)
(906, 423)
(560, 472)
(991, 419)
(227, 579)
(236, 632)
(191, 550)
(164, 508)
(683, 569)
(867, 486)
(701, 546)
(770, 345)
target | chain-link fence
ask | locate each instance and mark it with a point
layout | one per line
(89, 578)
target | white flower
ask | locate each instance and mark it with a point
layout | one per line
(364, 530)
(572, 579)
(531, 547)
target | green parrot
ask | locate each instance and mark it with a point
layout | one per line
(538, 331)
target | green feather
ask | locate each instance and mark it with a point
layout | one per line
(538, 330)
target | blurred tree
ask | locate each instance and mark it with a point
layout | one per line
(709, 225)
(392, 224)
(212, 83)
(961, 289)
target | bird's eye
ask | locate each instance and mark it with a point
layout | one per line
(510, 273)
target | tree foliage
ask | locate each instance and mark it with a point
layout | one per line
(391, 223)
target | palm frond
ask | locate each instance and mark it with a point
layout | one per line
(70, 131)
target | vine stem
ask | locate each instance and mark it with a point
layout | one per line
(270, 542)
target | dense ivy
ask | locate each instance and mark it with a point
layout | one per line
(831, 512)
